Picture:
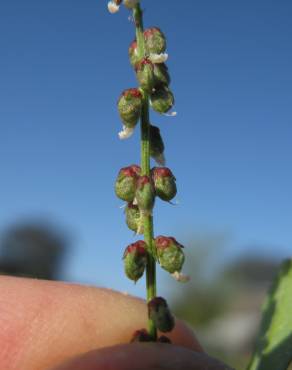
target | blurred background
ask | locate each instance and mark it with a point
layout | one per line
(63, 65)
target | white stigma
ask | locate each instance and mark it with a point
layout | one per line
(180, 277)
(126, 133)
(171, 114)
(158, 58)
(113, 7)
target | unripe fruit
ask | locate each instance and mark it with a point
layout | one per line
(170, 254)
(145, 74)
(162, 99)
(133, 218)
(145, 195)
(155, 40)
(159, 312)
(156, 145)
(133, 53)
(164, 183)
(135, 260)
(129, 106)
(161, 75)
(126, 183)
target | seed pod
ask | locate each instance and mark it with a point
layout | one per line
(135, 260)
(170, 254)
(145, 74)
(145, 195)
(129, 106)
(164, 183)
(159, 312)
(133, 53)
(126, 183)
(133, 218)
(141, 336)
(155, 40)
(130, 4)
(161, 75)
(162, 99)
(156, 145)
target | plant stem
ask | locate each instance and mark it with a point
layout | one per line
(145, 167)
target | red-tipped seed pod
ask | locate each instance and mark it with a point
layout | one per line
(155, 40)
(135, 260)
(126, 183)
(164, 183)
(145, 194)
(170, 254)
(129, 106)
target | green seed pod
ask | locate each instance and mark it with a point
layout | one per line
(145, 74)
(159, 312)
(126, 183)
(155, 40)
(164, 183)
(133, 53)
(170, 254)
(162, 99)
(161, 74)
(133, 218)
(135, 260)
(156, 145)
(145, 195)
(129, 106)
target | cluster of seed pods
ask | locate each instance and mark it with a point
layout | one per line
(140, 191)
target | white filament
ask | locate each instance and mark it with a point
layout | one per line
(126, 133)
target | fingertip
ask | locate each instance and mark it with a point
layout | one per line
(143, 356)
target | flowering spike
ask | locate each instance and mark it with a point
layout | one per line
(135, 260)
(137, 186)
(170, 254)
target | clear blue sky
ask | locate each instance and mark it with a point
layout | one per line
(63, 64)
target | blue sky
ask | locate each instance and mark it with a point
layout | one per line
(63, 64)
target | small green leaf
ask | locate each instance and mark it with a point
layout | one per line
(274, 346)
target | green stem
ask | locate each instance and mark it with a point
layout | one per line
(145, 167)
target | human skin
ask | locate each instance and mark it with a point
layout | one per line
(45, 324)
